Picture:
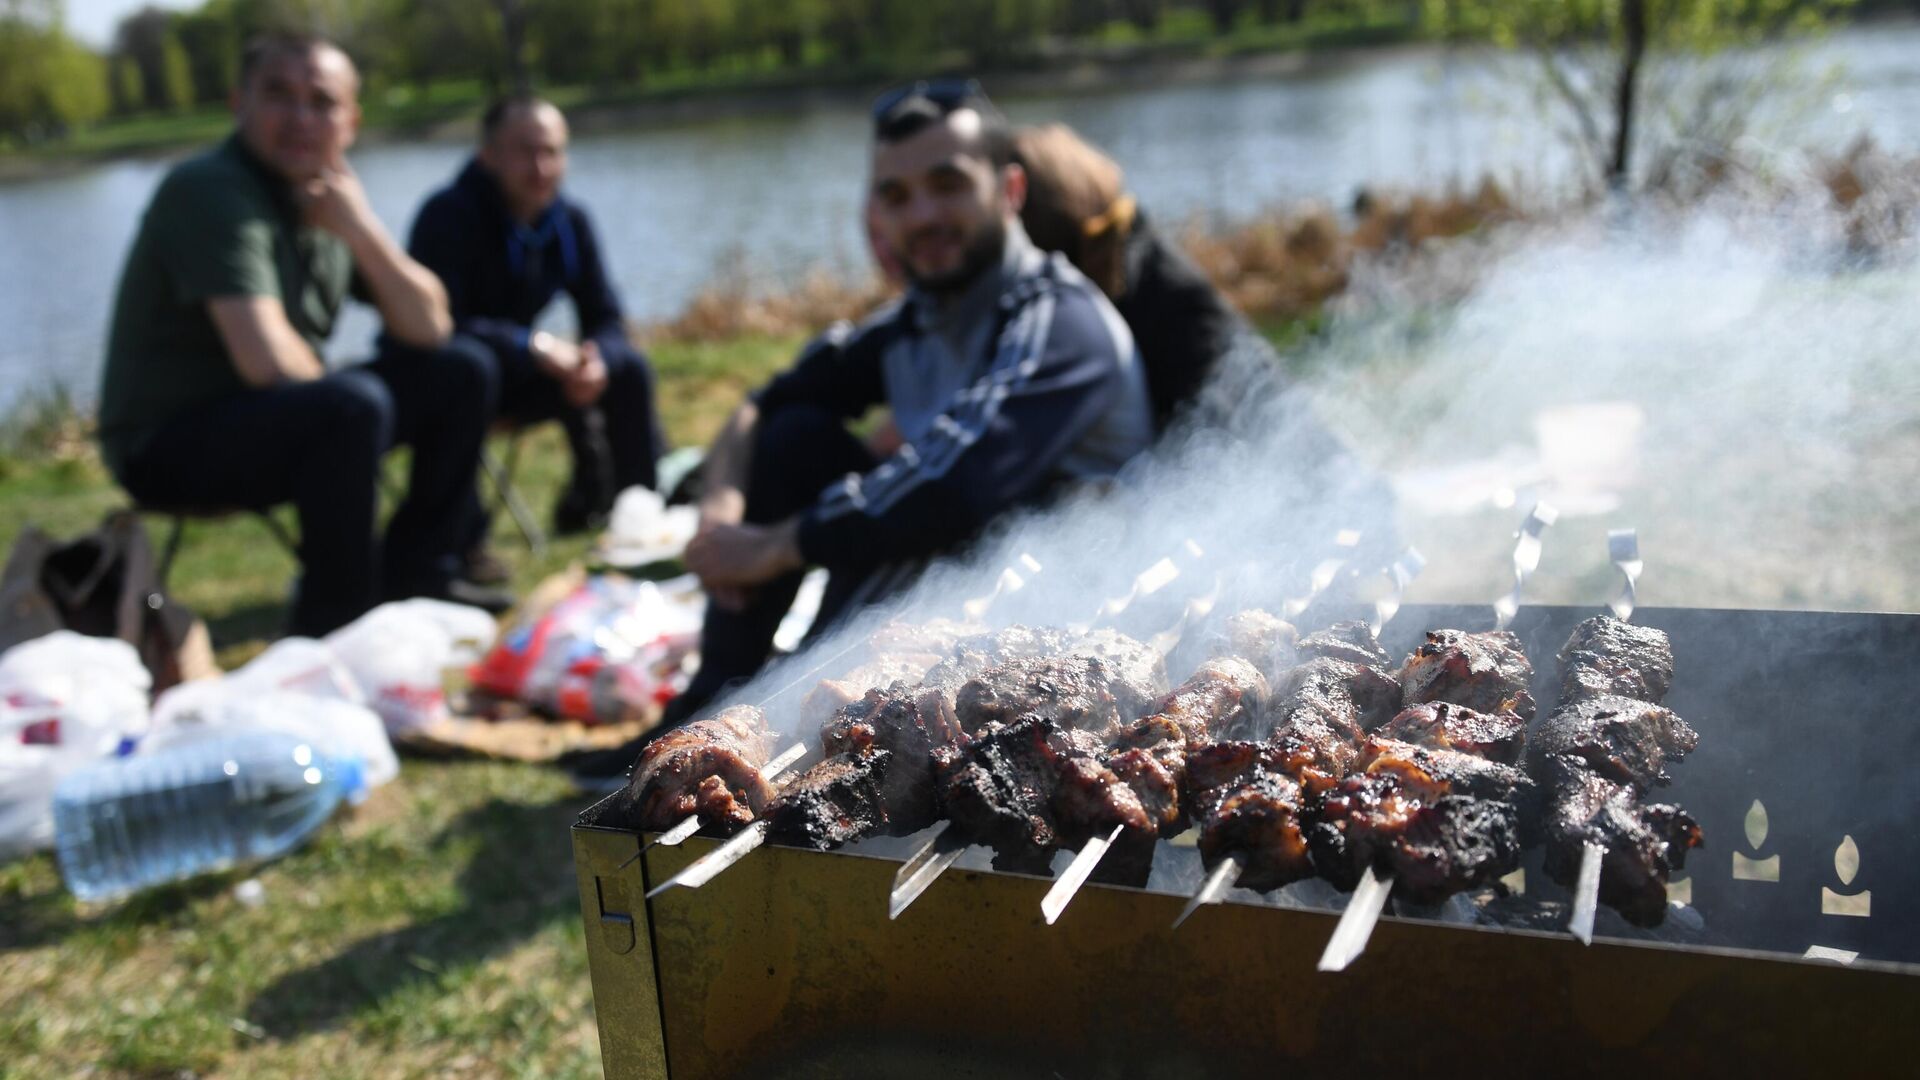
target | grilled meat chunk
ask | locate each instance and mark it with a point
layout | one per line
(1134, 663)
(1629, 742)
(840, 799)
(1247, 801)
(1609, 658)
(909, 722)
(1224, 692)
(1487, 672)
(1075, 691)
(884, 669)
(1438, 821)
(1498, 737)
(1262, 638)
(1352, 641)
(710, 767)
(998, 789)
(935, 637)
(1346, 698)
(1643, 843)
(974, 654)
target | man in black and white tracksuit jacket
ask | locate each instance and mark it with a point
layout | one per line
(1007, 375)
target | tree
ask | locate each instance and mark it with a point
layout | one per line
(1594, 55)
(49, 83)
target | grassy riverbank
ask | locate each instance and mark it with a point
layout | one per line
(436, 932)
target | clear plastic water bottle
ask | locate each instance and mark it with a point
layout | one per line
(127, 824)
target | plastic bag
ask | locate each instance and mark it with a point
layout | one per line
(643, 529)
(611, 644)
(398, 653)
(66, 699)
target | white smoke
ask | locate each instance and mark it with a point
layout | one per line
(1725, 379)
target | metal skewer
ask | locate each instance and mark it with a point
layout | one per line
(941, 851)
(691, 823)
(1344, 542)
(1623, 547)
(708, 866)
(1214, 889)
(1076, 874)
(1526, 559)
(1350, 938)
(1400, 574)
(1586, 893)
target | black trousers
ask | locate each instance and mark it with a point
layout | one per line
(616, 443)
(797, 452)
(318, 445)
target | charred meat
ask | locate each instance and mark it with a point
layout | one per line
(1487, 672)
(840, 799)
(1629, 742)
(1498, 737)
(910, 723)
(998, 789)
(1074, 691)
(1609, 658)
(1352, 641)
(884, 669)
(709, 767)
(1438, 821)
(1246, 800)
(1643, 843)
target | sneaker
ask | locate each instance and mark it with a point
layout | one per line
(491, 599)
(575, 517)
(483, 567)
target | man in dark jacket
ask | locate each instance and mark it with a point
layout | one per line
(506, 240)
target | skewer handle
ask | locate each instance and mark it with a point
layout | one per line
(1350, 938)
(1623, 547)
(1526, 559)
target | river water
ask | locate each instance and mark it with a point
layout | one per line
(777, 194)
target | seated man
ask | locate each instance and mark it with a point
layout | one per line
(505, 240)
(214, 393)
(1007, 374)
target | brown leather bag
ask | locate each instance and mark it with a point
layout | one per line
(103, 584)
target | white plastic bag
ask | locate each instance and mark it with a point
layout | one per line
(398, 653)
(66, 699)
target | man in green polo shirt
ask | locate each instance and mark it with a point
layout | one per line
(214, 392)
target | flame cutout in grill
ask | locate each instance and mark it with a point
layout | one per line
(1846, 865)
(1750, 868)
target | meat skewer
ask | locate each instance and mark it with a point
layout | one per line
(1526, 559)
(710, 771)
(1438, 814)
(1149, 757)
(1599, 754)
(1251, 799)
(890, 657)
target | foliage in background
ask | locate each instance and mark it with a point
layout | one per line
(1603, 64)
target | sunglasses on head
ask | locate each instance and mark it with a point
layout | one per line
(947, 95)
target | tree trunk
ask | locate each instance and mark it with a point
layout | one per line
(1633, 31)
(513, 33)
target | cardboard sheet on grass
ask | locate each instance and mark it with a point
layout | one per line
(488, 726)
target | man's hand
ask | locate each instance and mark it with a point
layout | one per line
(337, 202)
(589, 379)
(740, 556)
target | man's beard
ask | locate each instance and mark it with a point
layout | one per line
(983, 253)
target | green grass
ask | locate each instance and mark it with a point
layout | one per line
(434, 931)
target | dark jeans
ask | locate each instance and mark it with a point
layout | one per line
(797, 452)
(616, 443)
(318, 445)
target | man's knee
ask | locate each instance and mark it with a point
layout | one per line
(354, 409)
(465, 374)
(796, 429)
